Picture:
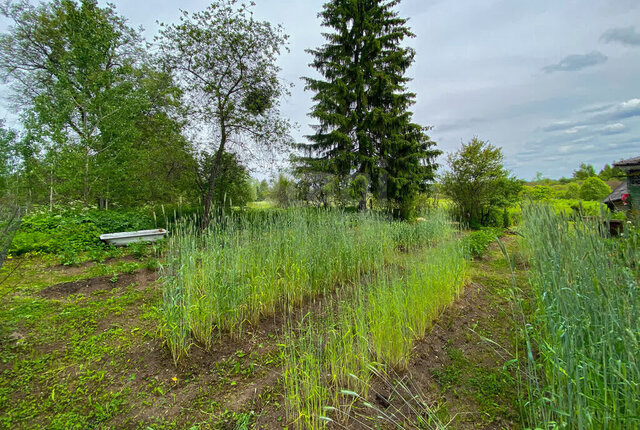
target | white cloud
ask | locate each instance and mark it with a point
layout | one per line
(564, 149)
(576, 129)
(630, 104)
(618, 127)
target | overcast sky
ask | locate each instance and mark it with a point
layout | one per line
(552, 82)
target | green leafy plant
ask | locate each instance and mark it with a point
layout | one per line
(478, 241)
(139, 249)
(127, 267)
(478, 182)
(71, 232)
(594, 188)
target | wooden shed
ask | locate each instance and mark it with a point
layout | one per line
(631, 167)
(617, 200)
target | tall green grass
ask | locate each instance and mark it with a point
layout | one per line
(583, 368)
(329, 365)
(250, 266)
(403, 302)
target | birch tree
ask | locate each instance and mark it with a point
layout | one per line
(70, 65)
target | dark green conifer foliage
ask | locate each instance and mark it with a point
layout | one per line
(362, 103)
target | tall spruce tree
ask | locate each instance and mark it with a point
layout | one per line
(362, 104)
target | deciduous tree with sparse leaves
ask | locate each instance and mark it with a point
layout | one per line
(225, 61)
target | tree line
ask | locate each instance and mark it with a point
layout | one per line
(108, 118)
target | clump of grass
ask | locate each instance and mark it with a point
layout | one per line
(305, 378)
(347, 347)
(586, 326)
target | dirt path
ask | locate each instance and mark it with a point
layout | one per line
(464, 360)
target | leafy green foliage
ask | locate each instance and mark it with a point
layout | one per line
(477, 182)
(233, 182)
(539, 192)
(358, 187)
(594, 188)
(573, 191)
(478, 241)
(584, 171)
(73, 231)
(608, 173)
(101, 121)
(506, 218)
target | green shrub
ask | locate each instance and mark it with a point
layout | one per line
(573, 191)
(72, 231)
(619, 215)
(479, 240)
(570, 206)
(506, 218)
(495, 218)
(539, 192)
(139, 249)
(515, 214)
(594, 188)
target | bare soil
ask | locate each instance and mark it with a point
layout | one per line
(101, 283)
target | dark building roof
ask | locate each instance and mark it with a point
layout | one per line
(635, 161)
(613, 183)
(616, 195)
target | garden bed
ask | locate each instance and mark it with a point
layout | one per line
(94, 336)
